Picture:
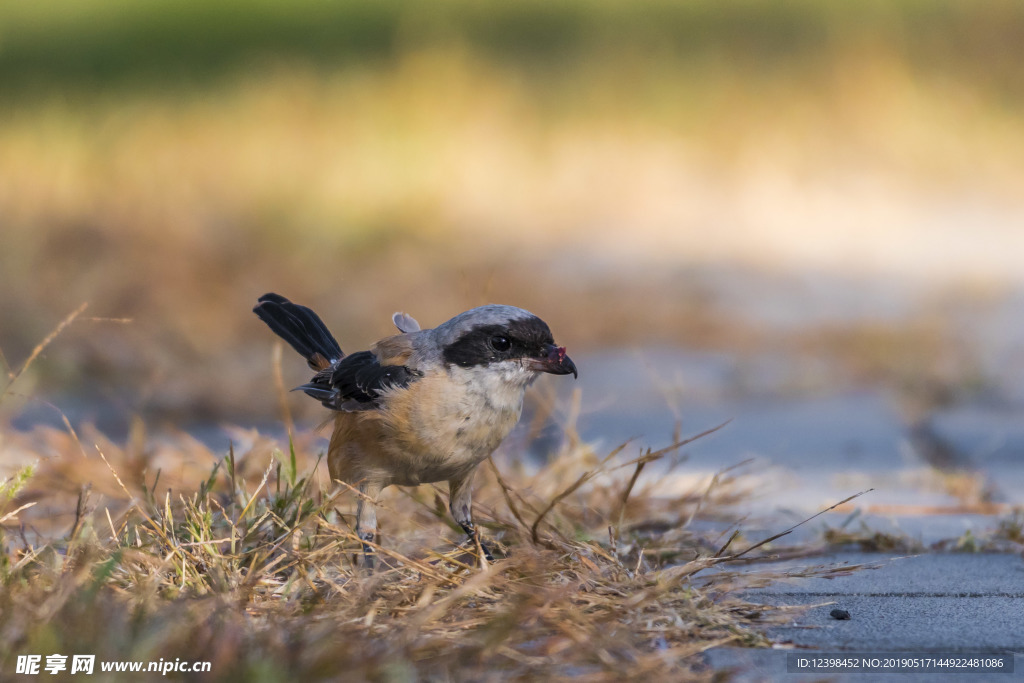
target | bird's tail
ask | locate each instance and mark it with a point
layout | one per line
(301, 328)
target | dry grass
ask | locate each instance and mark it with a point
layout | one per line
(1004, 537)
(255, 572)
(249, 561)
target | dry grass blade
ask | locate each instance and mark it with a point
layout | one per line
(661, 453)
(584, 478)
(798, 525)
(13, 514)
(732, 537)
(702, 563)
(507, 492)
(282, 393)
(263, 482)
(641, 461)
(63, 417)
(41, 346)
(625, 495)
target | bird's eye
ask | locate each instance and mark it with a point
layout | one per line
(500, 343)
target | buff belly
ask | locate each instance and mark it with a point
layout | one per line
(437, 429)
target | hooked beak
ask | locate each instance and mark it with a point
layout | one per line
(556, 362)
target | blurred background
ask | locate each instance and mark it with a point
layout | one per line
(710, 202)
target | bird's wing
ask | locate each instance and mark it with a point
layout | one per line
(357, 381)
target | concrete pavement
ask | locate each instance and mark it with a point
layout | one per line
(961, 603)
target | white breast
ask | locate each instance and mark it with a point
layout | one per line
(456, 419)
(489, 405)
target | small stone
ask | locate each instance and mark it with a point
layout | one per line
(839, 614)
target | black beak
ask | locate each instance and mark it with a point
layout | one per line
(557, 362)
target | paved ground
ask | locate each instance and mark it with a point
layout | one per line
(809, 448)
(812, 449)
(933, 603)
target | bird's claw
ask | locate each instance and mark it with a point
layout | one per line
(369, 553)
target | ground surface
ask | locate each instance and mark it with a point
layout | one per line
(816, 448)
(933, 603)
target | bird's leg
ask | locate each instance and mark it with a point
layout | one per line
(366, 520)
(460, 502)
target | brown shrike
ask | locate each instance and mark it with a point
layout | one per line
(422, 406)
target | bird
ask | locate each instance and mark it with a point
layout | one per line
(422, 406)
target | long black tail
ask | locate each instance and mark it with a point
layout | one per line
(300, 327)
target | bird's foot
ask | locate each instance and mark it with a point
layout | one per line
(475, 543)
(369, 552)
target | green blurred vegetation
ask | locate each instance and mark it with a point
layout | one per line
(104, 43)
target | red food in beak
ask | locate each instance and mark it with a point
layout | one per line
(557, 362)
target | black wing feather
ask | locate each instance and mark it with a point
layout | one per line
(352, 382)
(300, 327)
(362, 378)
(357, 381)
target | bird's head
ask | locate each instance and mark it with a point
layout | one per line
(503, 338)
